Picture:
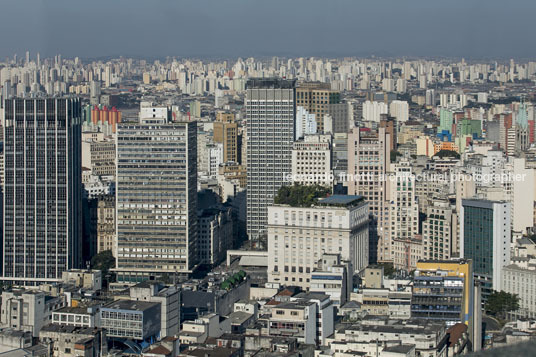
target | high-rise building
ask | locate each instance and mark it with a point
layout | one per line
(316, 98)
(226, 133)
(42, 190)
(485, 234)
(368, 163)
(400, 243)
(270, 112)
(299, 236)
(156, 200)
(390, 124)
(399, 109)
(311, 160)
(439, 230)
(106, 235)
(343, 117)
(444, 290)
(372, 111)
(305, 123)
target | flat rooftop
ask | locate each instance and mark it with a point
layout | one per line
(341, 200)
(131, 305)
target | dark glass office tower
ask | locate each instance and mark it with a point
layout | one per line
(42, 189)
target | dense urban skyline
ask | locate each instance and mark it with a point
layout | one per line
(245, 178)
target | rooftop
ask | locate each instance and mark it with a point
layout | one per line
(341, 200)
(400, 348)
(130, 305)
(270, 83)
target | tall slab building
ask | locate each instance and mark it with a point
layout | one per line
(42, 226)
(156, 200)
(271, 113)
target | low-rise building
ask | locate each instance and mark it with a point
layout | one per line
(521, 282)
(70, 341)
(136, 320)
(85, 279)
(295, 319)
(28, 310)
(429, 338)
(82, 316)
(169, 300)
(334, 278)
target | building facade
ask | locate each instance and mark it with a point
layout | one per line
(156, 200)
(299, 236)
(270, 113)
(42, 226)
(311, 161)
(485, 234)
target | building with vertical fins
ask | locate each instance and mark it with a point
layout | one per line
(270, 112)
(42, 227)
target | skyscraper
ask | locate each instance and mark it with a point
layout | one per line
(485, 238)
(42, 191)
(156, 199)
(316, 98)
(368, 163)
(226, 133)
(271, 112)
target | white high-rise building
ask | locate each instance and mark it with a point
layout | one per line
(372, 111)
(311, 160)
(270, 114)
(299, 236)
(305, 123)
(400, 110)
(400, 244)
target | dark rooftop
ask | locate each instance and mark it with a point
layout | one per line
(271, 83)
(130, 305)
(341, 200)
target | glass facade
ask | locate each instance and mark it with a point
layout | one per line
(42, 200)
(478, 238)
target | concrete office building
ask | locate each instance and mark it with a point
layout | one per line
(106, 234)
(521, 282)
(28, 310)
(316, 98)
(270, 112)
(333, 277)
(42, 225)
(299, 236)
(311, 161)
(226, 133)
(156, 200)
(485, 235)
(399, 244)
(369, 161)
(135, 320)
(215, 235)
(439, 230)
(444, 290)
(169, 300)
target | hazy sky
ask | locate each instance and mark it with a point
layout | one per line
(158, 28)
